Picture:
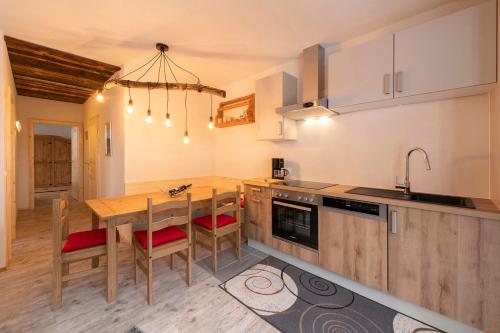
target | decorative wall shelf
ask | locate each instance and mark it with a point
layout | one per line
(245, 104)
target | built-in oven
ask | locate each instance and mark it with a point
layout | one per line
(295, 217)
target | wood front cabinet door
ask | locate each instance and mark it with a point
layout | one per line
(52, 159)
(447, 263)
(258, 217)
(353, 246)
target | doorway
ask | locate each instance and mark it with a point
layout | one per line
(55, 158)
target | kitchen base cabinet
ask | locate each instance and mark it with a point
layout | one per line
(258, 218)
(354, 246)
(295, 250)
(446, 263)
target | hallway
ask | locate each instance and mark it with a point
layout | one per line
(177, 308)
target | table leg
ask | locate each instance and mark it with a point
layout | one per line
(112, 261)
(95, 226)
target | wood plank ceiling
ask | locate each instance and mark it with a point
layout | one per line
(47, 73)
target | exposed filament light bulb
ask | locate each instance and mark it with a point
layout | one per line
(168, 122)
(130, 107)
(186, 137)
(149, 119)
(211, 123)
(99, 97)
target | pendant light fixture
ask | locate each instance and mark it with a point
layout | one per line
(99, 97)
(149, 119)
(161, 60)
(211, 119)
(186, 136)
(130, 107)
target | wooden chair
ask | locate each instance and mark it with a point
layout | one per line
(77, 246)
(218, 224)
(163, 237)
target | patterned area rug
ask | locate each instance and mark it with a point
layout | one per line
(293, 300)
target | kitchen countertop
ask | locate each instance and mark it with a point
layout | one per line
(263, 182)
(485, 208)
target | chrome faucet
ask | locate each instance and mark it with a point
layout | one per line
(406, 186)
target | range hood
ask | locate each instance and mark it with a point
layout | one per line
(314, 103)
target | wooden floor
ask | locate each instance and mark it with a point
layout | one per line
(26, 289)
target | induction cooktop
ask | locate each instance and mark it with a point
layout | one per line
(305, 184)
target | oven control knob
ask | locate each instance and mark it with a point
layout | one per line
(279, 194)
(311, 200)
(299, 198)
(305, 199)
(285, 195)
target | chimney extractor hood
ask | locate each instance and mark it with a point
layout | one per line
(314, 103)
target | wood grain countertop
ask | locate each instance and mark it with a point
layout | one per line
(262, 182)
(133, 204)
(485, 208)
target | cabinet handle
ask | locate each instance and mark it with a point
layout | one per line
(394, 222)
(256, 189)
(256, 201)
(399, 82)
(386, 84)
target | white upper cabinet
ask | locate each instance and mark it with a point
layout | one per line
(454, 51)
(271, 92)
(361, 74)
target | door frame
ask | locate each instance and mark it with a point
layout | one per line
(31, 154)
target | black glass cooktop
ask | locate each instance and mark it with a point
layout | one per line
(305, 184)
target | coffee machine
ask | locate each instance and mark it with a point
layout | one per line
(278, 167)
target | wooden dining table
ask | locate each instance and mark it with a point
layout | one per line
(127, 209)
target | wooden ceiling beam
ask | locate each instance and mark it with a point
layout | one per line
(47, 73)
(26, 80)
(29, 61)
(41, 73)
(57, 56)
(55, 97)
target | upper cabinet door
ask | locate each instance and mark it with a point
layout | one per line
(361, 74)
(454, 51)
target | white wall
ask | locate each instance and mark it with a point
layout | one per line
(40, 109)
(110, 168)
(155, 152)
(368, 148)
(7, 158)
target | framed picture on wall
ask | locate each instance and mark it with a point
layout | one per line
(107, 139)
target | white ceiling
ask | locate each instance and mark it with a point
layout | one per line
(221, 40)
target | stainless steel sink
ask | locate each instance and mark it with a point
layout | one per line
(437, 199)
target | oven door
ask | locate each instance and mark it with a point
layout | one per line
(297, 222)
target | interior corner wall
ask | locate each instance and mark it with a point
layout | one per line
(111, 169)
(40, 109)
(495, 133)
(7, 154)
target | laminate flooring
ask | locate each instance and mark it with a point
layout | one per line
(25, 293)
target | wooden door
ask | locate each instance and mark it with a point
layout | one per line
(258, 214)
(61, 161)
(454, 51)
(447, 263)
(92, 157)
(361, 74)
(43, 161)
(354, 246)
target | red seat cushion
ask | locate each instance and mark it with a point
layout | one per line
(162, 236)
(222, 220)
(86, 239)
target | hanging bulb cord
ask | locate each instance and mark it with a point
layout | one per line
(129, 95)
(211, 106)
(185, 106)
(149, 99)
(166, 81)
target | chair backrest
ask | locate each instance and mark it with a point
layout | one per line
(160, 216)
(60, 220)
(225, 202)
